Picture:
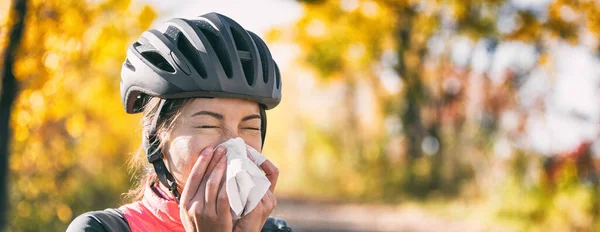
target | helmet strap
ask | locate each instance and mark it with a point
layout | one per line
(263, 125)
(155, 156)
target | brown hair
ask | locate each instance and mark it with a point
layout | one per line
(143, 171)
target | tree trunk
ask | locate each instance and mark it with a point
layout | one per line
(411, 117)
(7, 97)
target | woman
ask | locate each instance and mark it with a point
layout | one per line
(199, 82)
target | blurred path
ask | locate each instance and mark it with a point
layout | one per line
(304, 215)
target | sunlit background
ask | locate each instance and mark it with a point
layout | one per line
(407, 115)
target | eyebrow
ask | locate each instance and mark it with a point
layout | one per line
(250, 117)
(220, 116)
(208, 113)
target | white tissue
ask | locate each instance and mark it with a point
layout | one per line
(246, 184)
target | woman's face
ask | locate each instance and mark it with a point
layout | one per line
(208, 122)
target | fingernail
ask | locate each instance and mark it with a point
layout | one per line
(206, 151)
(250, 156)
(220, 150)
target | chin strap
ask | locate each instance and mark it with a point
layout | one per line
(263, 125)
(155, 156)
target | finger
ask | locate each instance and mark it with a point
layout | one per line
(269, 201)
(200, 196)
(249, 155)
(263, 207)
(196, 175)
(273, 198)
(212, 186)
(223, 201)
(219, 152)
(271, 172)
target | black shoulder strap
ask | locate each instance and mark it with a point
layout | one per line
(108, 220)
(275, 225)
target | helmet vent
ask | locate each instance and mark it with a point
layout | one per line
(240, 42)
(129, 66)
(248, 71)
(244, 55)
(192, 55)
(158, 61)
(219, 46)
(172, 33)
(264, 61)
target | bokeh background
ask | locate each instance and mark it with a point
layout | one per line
(406, 115)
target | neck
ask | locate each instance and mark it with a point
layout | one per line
(164, 192)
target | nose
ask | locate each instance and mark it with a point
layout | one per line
(229, 133)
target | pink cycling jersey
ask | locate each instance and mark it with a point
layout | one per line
(153, 212)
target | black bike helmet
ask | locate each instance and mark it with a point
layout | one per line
(207, 56)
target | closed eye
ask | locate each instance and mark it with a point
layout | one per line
(251, 128)
(207, 127)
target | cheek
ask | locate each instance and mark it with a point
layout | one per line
(253, 141)
(180, 153)
(183, 151)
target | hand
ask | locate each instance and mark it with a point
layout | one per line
(204, 205)
(255, 220)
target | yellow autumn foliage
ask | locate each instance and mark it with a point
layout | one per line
(71, 138)
(367, 114)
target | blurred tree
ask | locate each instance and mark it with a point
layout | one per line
(8, 94)
(71, 137)
(443, 142)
